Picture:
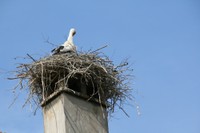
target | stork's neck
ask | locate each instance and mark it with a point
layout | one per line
(70, 38)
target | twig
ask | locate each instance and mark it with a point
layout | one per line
(47, 40)
(42, 80)
(31, 58)
(123, 110)
(99, 49)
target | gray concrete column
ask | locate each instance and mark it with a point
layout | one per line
(66, 113)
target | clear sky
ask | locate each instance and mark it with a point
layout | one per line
(161, 38)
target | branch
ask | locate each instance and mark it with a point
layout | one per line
(31, 58)
(99, 49)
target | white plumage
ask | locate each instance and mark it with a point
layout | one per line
(68, 46)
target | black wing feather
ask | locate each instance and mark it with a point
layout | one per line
(57, 50)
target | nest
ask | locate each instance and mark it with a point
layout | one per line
(91, 74)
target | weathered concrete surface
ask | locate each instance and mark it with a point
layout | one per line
(70, 114)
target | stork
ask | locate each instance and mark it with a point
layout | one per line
(68, 46)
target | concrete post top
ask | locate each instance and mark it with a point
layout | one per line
(73, 93)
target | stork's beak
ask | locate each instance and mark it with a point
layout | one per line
(74, 33)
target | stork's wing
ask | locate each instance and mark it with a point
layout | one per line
(57, 50)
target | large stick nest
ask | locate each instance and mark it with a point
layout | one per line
(91, 74)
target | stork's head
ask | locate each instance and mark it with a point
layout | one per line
(72, 31)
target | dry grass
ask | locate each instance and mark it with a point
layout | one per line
(91, 73)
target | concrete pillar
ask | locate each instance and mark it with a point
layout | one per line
(67, 113)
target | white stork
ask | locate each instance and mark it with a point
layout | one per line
(68, 46)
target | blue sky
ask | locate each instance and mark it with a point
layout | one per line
(160, 38)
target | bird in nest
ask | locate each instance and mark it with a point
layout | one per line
(68, 46)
